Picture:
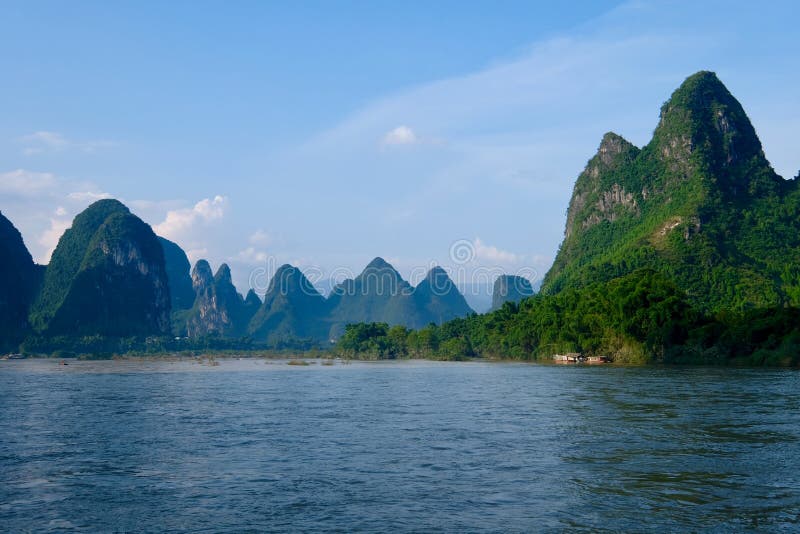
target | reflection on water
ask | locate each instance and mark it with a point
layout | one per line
(149, 445)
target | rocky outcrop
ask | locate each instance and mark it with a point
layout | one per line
(610, 206)
(597, 196)
(218, 308)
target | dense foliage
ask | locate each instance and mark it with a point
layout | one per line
(641, 317)
(104, 347)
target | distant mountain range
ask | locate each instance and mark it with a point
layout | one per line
(111, 276)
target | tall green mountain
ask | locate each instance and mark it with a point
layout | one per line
(438, 299)
(292, 310)
(700, 204)
(218, 308)
(508, 288)
(180, 281)
(19, 280)
(106, 277)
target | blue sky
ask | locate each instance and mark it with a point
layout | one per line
(326, 133)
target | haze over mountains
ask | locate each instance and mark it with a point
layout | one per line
(111, 276)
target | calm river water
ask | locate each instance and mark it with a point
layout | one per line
(409, 446)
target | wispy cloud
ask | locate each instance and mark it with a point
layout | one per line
(251, 256)
(22, 182)
(48, 142)
(88, 196)
(491, 254)
(260, 237)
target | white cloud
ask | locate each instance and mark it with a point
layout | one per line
(492, 254)
(88, 196)
(260, 237)
(48, 142)
(180, 221)
(26, 183)
(402, 135)
(39, 142)
(250, 256)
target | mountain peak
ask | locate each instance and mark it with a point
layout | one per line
(436, 273)
(380, 268)
(510, 288)
(106, 205)
(252, 299)
(290, 279)
(223, 274)
(702, 117)
(202, 276)
(378, 263)
(611, 146)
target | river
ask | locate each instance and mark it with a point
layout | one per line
(252, 444)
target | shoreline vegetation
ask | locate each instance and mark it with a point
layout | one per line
(637, 319)
(330, 358)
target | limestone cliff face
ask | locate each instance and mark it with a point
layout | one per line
(598, 194)
(218, 308)
(106, 277)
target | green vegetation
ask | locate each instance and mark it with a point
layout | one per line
(106, 347)
(292, 310)
(638, 318)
